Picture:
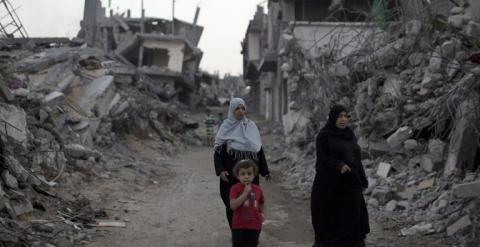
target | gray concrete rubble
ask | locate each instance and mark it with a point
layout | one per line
(62, 108)
(413, 101)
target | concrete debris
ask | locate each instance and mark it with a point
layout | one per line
(429, 183)
(14, 123)
(383, 169)
(401, 135)
(413, 101)
(9, 180)
(421, 228)
(467, 190)
(19, 207)
(459, 225)
(391, 206)
(80, 152)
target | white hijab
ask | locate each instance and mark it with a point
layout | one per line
(242, 136)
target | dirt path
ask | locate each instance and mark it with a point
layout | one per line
(184, 209)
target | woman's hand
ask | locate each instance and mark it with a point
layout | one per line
(223, 176)
(345, 168)
(268, 177)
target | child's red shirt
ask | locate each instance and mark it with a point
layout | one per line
(248, 215)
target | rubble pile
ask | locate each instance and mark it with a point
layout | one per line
(413, 92)
(60, 108)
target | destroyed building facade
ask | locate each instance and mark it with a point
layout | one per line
(164, 50)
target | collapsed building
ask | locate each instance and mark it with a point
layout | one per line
(165, 51)
(409, 74)
(64, 106)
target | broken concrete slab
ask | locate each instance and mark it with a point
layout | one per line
(421, 228)
(80, 152)
(428, 164)
(457, 21)
(410, 144)
(9, 180)
(54, 99)
(16, 169)
(383, 195)
(6, 92)
(436, 148)
(413, 28)
(467, 190)
(464, 137)
(98, 94)
(42, 60)
(435, 64)
(19, 207)
(429, 183)
(383, 169)
(472, 30)
(407, 193)
(401, 135)
(459, 225)
(21, 92)
(391, 206)
(15, 125)
(393, 86)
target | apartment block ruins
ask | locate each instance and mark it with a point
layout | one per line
(164, 50)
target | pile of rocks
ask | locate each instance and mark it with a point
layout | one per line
(58, 109)
(414, 96)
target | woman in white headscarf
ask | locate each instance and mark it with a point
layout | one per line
(237, 139)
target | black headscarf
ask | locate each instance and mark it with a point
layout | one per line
(330, 129)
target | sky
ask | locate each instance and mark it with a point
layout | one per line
(224, 21)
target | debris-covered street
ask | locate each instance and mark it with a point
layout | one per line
(133, 127)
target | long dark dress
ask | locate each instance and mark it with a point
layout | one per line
(339, 212)
(225, 162)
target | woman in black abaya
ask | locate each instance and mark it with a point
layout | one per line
(339, 212)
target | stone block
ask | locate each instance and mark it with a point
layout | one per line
(54, 99)
(410, 144)
(426, 184)
(457, 11)
(421, 228)
(19, 207)
(383, 169)
(16, 169)
(401, 135)
(407, 193)
(428, 164)
(459, 225)
(21, 92)
(413, 27)
(17, 123)
(473, 30)
(457, 21)
(9, 180)
(435, 64)
(80, 152)
(373, 202)
(98, 94)
(383, 195)
(467, 190)
(391, 206)
(436, 148)
(6, 92)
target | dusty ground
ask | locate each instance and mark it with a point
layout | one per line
(182, 207)
(174, 201)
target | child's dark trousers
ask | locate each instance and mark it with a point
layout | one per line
(245, 237)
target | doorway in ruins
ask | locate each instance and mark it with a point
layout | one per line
(156, 57)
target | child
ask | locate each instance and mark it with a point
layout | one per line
(247, 203)
(209, 123)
